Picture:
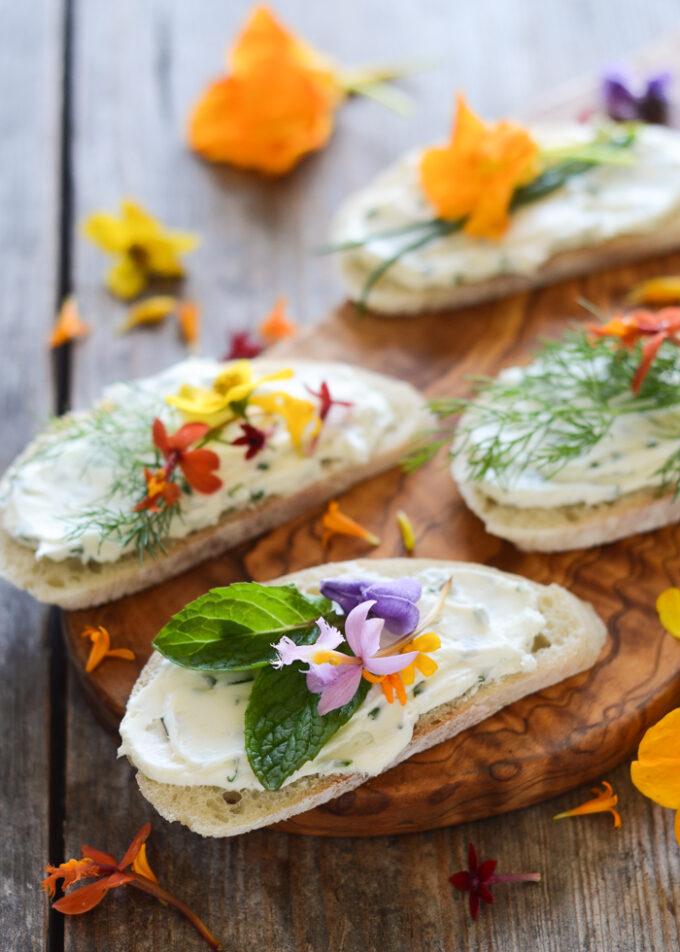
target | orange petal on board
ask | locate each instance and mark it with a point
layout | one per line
(276, 326)
(68, 325)
(189, 318)
(335, 522)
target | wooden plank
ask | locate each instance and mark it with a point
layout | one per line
(138, 67)
(30, 50)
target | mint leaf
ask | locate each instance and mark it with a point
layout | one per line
(283, 727)
(232, 628)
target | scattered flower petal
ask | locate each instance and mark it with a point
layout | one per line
(101, 648)
(665, 290)
(479, 877)
(152, 310)
(653, 327)
(68, 325)
(623, 104)
(253, 438)
(604, 802)
(243, 346)
(142, 248)
(475, 176)
(189, 318)
(299, 416)
(668, 608)
(335, 522)
(408, 536)
(276, 326)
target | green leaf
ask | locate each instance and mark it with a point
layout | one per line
(283, 727)
(232, 628)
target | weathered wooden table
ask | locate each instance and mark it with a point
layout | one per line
(93, 105)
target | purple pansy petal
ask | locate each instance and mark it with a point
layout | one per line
(342, 689)
(622, 104)
(347, 594)
(619, 102)
(400, 611)
(355, 623)
(654, 104)
(390, 664)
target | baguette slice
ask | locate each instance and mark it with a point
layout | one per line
(573, 637)
(644, 196)
(72, 584)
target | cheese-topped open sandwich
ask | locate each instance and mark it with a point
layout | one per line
(261, 702)
(502, 209)
(581, 446)
(167, 471)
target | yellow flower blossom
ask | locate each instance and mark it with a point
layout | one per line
(300, 416)
(221, 403)
(656, 772)
(142, 247)
(664, 290)
(668, 607)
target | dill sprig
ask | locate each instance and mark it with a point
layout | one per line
(607, 147)
(555, 409)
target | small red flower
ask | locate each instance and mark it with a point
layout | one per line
(158, 488)
(653, 327)
(197, 465)
(253, 438)
(479, 877)
(242, 346)
(326, 401)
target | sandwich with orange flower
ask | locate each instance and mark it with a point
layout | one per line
(501, 208)
(166, 471)
(581, 446)
(263, 701)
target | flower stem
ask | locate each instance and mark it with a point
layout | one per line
(146, 885)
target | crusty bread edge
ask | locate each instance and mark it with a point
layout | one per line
(389, 301)
(72, 585)
(572, 527)
(441, 724)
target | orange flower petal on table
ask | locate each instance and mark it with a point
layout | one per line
(604, 802)
(101, 648)
(276, 326)
(68, 325)
(475, 176)
(664, 290)
(189, 318)
(275, 107)
(656, 772)
(335, 522)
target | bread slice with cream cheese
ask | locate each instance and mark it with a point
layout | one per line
(567, 638)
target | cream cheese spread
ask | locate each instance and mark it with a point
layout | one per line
(606, 202)
(187, 728)
(45, 494)
(629, 457)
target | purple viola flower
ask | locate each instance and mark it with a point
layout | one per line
(622, 104)
(396, 603)
(334, 675)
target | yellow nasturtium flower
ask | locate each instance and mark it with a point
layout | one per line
(475, 175)
(656, 772)
(300, 416)
(216, 405)
(141, 245)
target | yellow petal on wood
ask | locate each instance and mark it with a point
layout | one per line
(668, 607)
(126, 279)
(152, 310)
(665, 290)
(106, 231)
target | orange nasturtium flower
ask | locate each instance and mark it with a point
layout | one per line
(654, 327)
(475, 176)
(656, 772)
(275, 106)
(68, 325)
(276, 326)
(335, 522)
(604, 802)
(141, 245)
(101, 648)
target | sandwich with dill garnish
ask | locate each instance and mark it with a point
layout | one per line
(501, 208)
(580, 447)
(165, 472)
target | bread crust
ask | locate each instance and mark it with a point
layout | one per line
(577, 634)
(70, 584)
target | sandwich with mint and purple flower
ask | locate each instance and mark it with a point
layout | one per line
(263, 701)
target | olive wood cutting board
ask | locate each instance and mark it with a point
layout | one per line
(540, 746)
(533, 749)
